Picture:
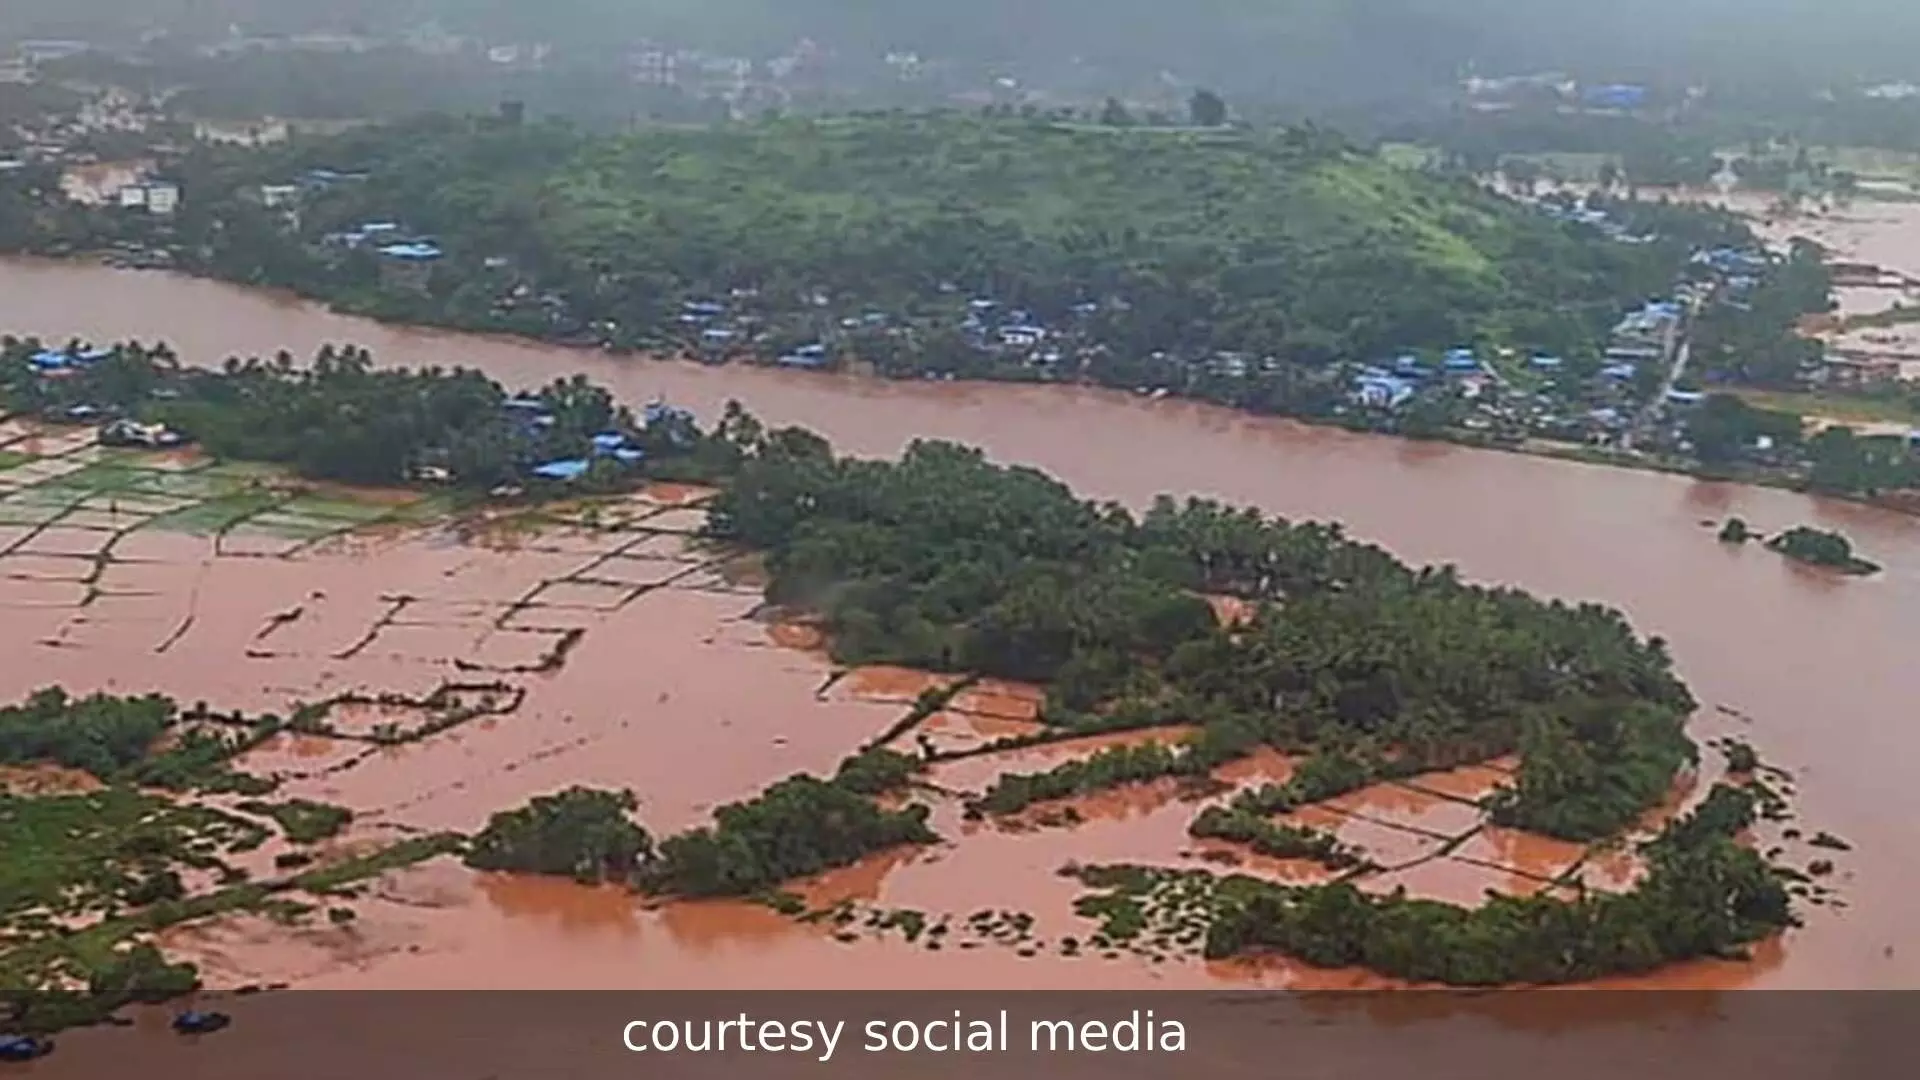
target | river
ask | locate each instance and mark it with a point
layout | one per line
(1820, 669)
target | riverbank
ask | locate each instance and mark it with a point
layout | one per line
(1357, 423)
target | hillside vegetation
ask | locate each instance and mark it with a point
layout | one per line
(1288, 242)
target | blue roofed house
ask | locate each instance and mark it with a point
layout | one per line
(806, 356)
(657, 412)
(529, 413)
(617, 446)
(1615, 96)
(1619, 371)
(563, 472)
(408, 265)
(676, 425)
(701, 312)
(1382, 391)
(1686, 397)
(415, 251)
(1461, 359)
(1545, 362)
(51, 361)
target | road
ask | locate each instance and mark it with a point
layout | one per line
(1677, 347)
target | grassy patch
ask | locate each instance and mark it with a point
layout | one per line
(243, 471)
(10, 459)
(204, 484)
(1570, 165)
(104, 854)
(403, 854)
(295, 526)
(36, 977)
(1842, 407)
(430, 509)
(1870, 162)
(17, 510)
(214, 516)
(1407, 155)
(105, 478)
(302, 821)
(338, 511)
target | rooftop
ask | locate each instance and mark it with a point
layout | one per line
(561, 470)
(411, 252)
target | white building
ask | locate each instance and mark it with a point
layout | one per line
(158, 198)
(163, 199)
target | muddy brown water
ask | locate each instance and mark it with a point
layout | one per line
(678, 699)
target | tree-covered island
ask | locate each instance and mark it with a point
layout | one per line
(1819, 547)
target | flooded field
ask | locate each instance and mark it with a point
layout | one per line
(476, 662)
(672, 687)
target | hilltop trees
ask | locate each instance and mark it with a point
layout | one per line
(1283, 247)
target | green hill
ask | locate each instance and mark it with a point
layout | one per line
(1274, 241)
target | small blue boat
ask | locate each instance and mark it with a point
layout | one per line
(195, 1022)
(24, 1047)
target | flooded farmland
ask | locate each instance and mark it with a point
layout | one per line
(671, 686)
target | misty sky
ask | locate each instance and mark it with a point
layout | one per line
(1705, 39)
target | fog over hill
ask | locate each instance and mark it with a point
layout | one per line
(1339, 50)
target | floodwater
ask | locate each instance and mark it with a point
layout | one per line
(679, 696)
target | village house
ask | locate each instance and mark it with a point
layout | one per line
(131, 433)
(812, 355)
(159, 198)
(274, 196)
(408, 265)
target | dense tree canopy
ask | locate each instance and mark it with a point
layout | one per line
(945, 561)
(580, 833)
(340, 418)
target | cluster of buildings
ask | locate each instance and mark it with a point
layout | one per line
(1556, 90)
(406, 257)
(1581, 214)
(120, 431)
(158, 197)
(531, 419)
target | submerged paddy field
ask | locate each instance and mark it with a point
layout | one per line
(383, 675)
